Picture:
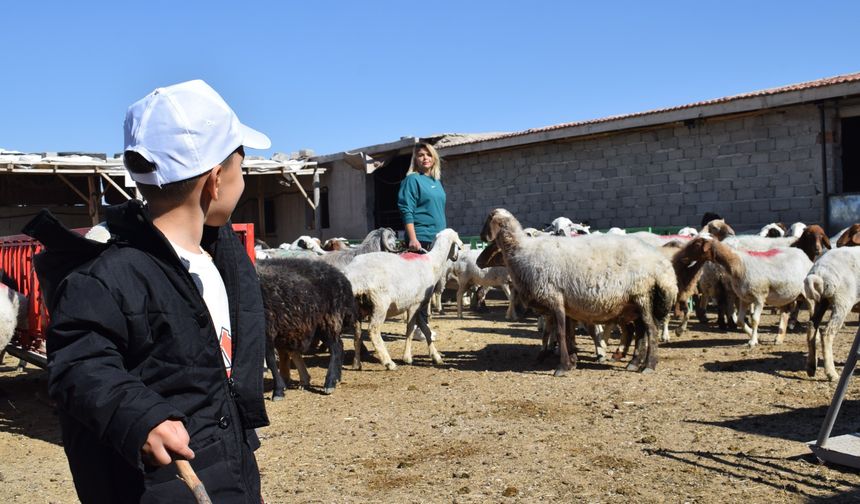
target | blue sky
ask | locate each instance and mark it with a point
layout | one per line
(332, 76)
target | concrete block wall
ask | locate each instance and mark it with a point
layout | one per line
(753, 170)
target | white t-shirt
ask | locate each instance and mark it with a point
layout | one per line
(211, 287)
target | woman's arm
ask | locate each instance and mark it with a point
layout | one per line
(414, 244)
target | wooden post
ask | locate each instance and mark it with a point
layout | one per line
(93, 202)
(261, 208)
(317, 213)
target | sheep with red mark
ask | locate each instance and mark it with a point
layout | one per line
(759, 278)
(385, 285)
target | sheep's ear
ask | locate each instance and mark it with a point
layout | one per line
(826, 241)
(490, 256)
(855, 239)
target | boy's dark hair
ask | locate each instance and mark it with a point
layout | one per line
(172, 193)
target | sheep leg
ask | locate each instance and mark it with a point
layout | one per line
(795, 313)
(284, 365)
(685, 317)
(639, 351)
(461, 289)
(837, 318)
(431, 346)
(304, 376)
(375, 332)
(742, 319)
(411, 316)
(702, 308)
(564, 364)
(812, 333)
(546, 328)
(357, 345)
(664, 334)
(784, 315)
(335, 363)
(756, 318)
(272, 365)
(596, 333)
(510, 313)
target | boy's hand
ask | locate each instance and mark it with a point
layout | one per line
(167, 439)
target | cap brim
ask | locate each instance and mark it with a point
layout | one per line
(253, 139)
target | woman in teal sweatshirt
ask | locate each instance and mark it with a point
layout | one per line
(421, 199)
(422, 204)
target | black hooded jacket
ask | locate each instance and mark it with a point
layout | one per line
(131, 344)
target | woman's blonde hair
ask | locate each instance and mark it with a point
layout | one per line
(435, 170)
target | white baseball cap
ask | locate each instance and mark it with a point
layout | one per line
(185, 130)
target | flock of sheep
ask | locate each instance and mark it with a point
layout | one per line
(569, 277)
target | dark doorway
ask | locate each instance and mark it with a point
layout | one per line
(386, 182)
(851, 155)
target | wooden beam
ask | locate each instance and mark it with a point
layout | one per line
(93, 202)
(261, 209)
(317, 213)
(302, 189)
(79, 193)
(115, 185)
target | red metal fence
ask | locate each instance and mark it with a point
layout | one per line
(16, 259)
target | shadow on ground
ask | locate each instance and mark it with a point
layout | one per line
(25, 408)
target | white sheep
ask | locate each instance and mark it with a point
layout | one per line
(562, 226)
(13, 314)
(772, 278)
(467, 273)
(590, 279)
(833, 282)
(386, 285)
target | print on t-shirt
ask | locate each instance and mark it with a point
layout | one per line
(226, 343)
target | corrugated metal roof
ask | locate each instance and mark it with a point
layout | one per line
(830, 81)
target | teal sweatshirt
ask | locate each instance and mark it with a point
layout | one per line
(421, 201)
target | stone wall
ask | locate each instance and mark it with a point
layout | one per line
(752, 170)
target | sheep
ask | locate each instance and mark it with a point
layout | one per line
(718, 228)
(796, 229)
(773, 230)
(379, 240)
(334, 244)
(590, 279)
(386, 285)
(533, 233)
(773, 278)
(688, 231)
(467, 273)
(848, 237)
(562, 226)
(304, 301)
(13, 315)
(832, 282)
(303, 247)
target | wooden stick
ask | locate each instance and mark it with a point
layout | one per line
(187, 474)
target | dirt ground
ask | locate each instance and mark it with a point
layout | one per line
(717, 422)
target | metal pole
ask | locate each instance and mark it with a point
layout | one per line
(839, 395)
(317, 213)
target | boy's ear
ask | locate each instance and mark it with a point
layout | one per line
(212, 185)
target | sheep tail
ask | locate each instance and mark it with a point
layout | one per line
(813, 287)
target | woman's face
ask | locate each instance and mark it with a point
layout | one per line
(424, 160)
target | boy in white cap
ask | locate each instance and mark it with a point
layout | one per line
(156, 343)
